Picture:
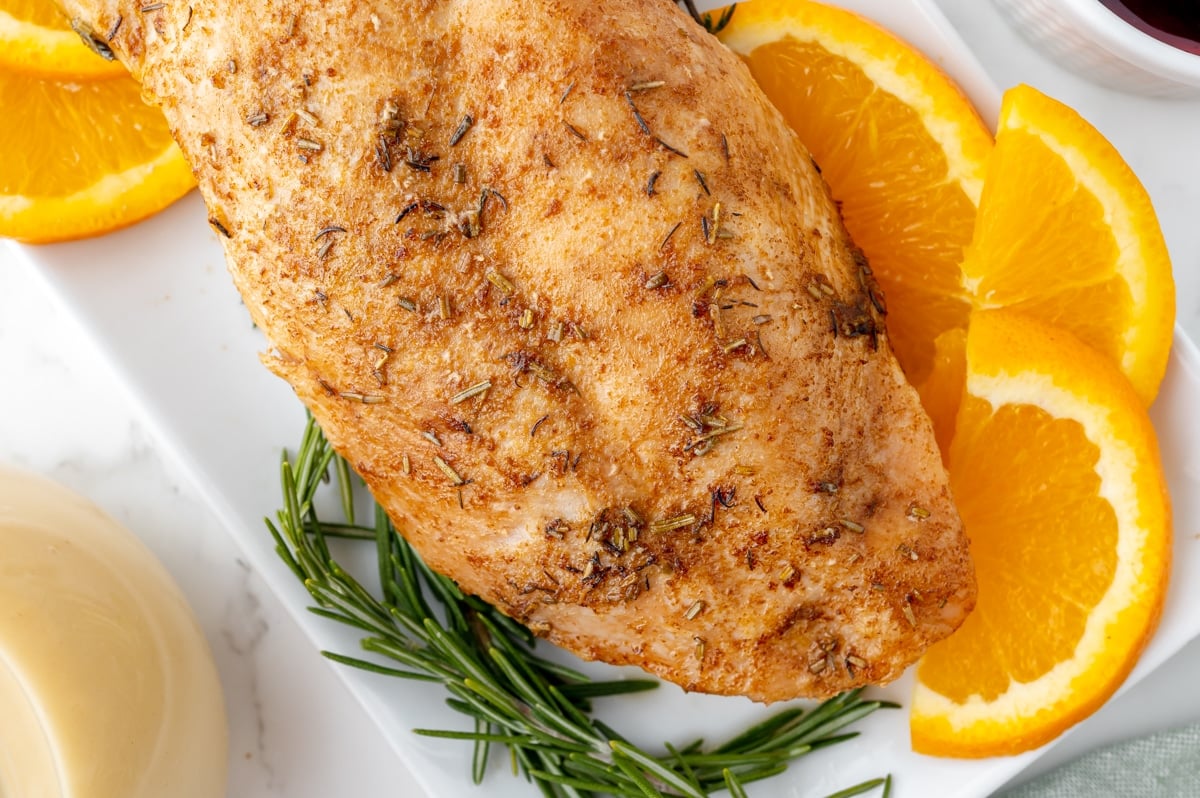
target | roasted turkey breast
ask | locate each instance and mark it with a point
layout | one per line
(566, 291)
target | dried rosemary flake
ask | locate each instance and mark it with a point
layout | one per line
(450, 473)
(365, 398)
(694, 610)
(443, 307)
(715, 433)
(574, 131)
(309, 145)
(711, 227)
(813, 291)
(500, 281)
(323, 250)
(671, 524)
(474, 390)
(702, 180)
(556, 332)
(526, 320)
(287, 125)
(431, 436)
(663, 245)
(488, 191)
(714, 313)
(908, 552)
(917, 512)
(762, 318)
(308, 117)
(709, 284)
(220, 228)
(258, 119)
(543, 373)
(631, 515)
(854, 663)
(651, 181)
(744, 470)
(460, 173)
(637, 114)
(734, 345)
(152, 7)
(787, 573)
(647, 85)
(533, 430)
(405, 465)
(669, 148)
(471, 224)
(324, 231)
(657, 280)
(461, 130)
(700, 647)
(407, 304)
(566, 92)
(854, 527)
(909, 615)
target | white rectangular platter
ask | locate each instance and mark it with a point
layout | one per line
(158, 301)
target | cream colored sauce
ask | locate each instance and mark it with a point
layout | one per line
(107, 686)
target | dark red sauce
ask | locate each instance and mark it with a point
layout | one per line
(1176, 22)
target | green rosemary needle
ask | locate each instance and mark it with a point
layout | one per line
(537, 709)
(706, 20)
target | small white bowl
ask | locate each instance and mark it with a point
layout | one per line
(1091, 40)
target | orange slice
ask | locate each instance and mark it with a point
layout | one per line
(901, 147)
(84, 159)
(941, 392)
(35, 37)
(1056, 472)
(1067, 234)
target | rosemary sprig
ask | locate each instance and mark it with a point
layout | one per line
(706, 20)
(537, 709)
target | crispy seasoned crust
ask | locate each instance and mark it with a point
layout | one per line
(565, 290)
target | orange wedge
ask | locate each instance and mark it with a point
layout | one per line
(901, 147)
(1056, 472)
(35, 38)
(84, 159)
(1067, 234)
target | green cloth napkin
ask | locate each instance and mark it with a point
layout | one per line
(1163, 765)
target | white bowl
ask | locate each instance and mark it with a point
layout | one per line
(1091, 40)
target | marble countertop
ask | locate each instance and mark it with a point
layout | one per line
(294, 729)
